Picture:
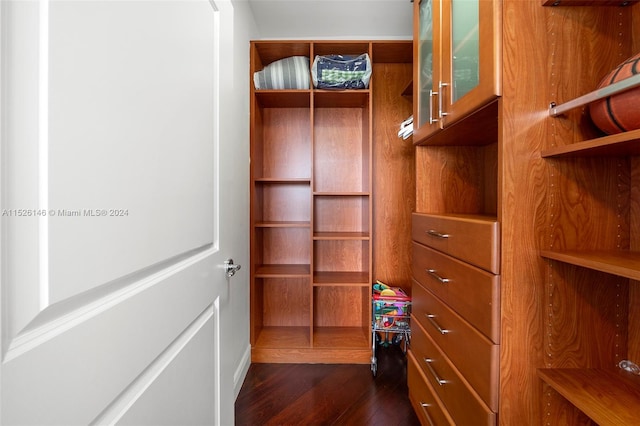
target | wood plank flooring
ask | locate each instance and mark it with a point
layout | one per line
(327, 394)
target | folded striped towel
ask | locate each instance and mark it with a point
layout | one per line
(287, 73)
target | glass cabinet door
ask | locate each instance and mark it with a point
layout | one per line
(465, 46)
(427, 70)
(470, 56)
(457, 61)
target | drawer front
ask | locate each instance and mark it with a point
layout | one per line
(463, 405)
(472, 239)
(472, 292)
(473, 354)
(426, 404)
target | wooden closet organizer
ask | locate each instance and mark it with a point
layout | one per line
(312, 204)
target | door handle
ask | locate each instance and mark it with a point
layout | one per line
(230, 268)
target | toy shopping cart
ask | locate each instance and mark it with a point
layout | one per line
(391, 310)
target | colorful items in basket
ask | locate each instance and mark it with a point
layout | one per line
(390, 304)
(384, 290)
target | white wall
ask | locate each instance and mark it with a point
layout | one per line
(334, 19)
(234, 125)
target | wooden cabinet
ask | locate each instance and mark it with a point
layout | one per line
(456, 312)
(472, 292)
(429, 408)
(456, 234)
(312, 204)
(567, 202)
(608, 164)
(593, 255)
(473, 239)
(460, 401)
(457, 48)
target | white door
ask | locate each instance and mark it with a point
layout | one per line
(112, 276)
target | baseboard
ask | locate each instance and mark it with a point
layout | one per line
(241, 372)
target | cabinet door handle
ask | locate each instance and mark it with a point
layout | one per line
(434, 274)
(433, 372)
(433, 322)
(437, 234)
(424, 406)
(441, 113)
(431, 119)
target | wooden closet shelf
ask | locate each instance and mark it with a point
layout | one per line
(589, 2)
(282, 180)
(607, 397)
(283, 224)
(283, 98)
(283, 271)
(341, 278)
(342, 194)
(477, 129)
(616, 262)
(627, 143)
(341, 337)
(341, 236)
(283, 337)
(340, 98)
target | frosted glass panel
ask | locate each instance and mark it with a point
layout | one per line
(426, 60)
(465, 47)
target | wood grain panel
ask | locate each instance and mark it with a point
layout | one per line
(470, 238)
(338, 306)
(266, 52)
(393, 174)
(588, 2)
(590, 209)
(561, 410)
(454, 180)
(522, 195)
(341, 214)
(282, 338)
(284, 201)
(284, 245)
(286, 144)
(423, 398)
(338, 150)
(587, 207)
(457, 340)
(587, 327)
(461, 401)
(583, 49)
(634, 286)
(342, 47)
(340, 255)
(610, 398)
(286, 302)
(473, 293)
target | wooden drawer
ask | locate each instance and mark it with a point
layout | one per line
(472, 292)
(462, 403)
(474, 239)
(426, 404)
(473, 354)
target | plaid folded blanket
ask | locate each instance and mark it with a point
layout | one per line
(341, 71)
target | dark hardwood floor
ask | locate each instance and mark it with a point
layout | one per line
(327, 394)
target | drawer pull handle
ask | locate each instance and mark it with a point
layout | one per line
(433, 322)
(435, 275)
(437, 234)
(431, 95)
(424, 406)
(441, 112)
(433, 372)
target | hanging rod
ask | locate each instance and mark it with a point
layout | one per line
(612, 89)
